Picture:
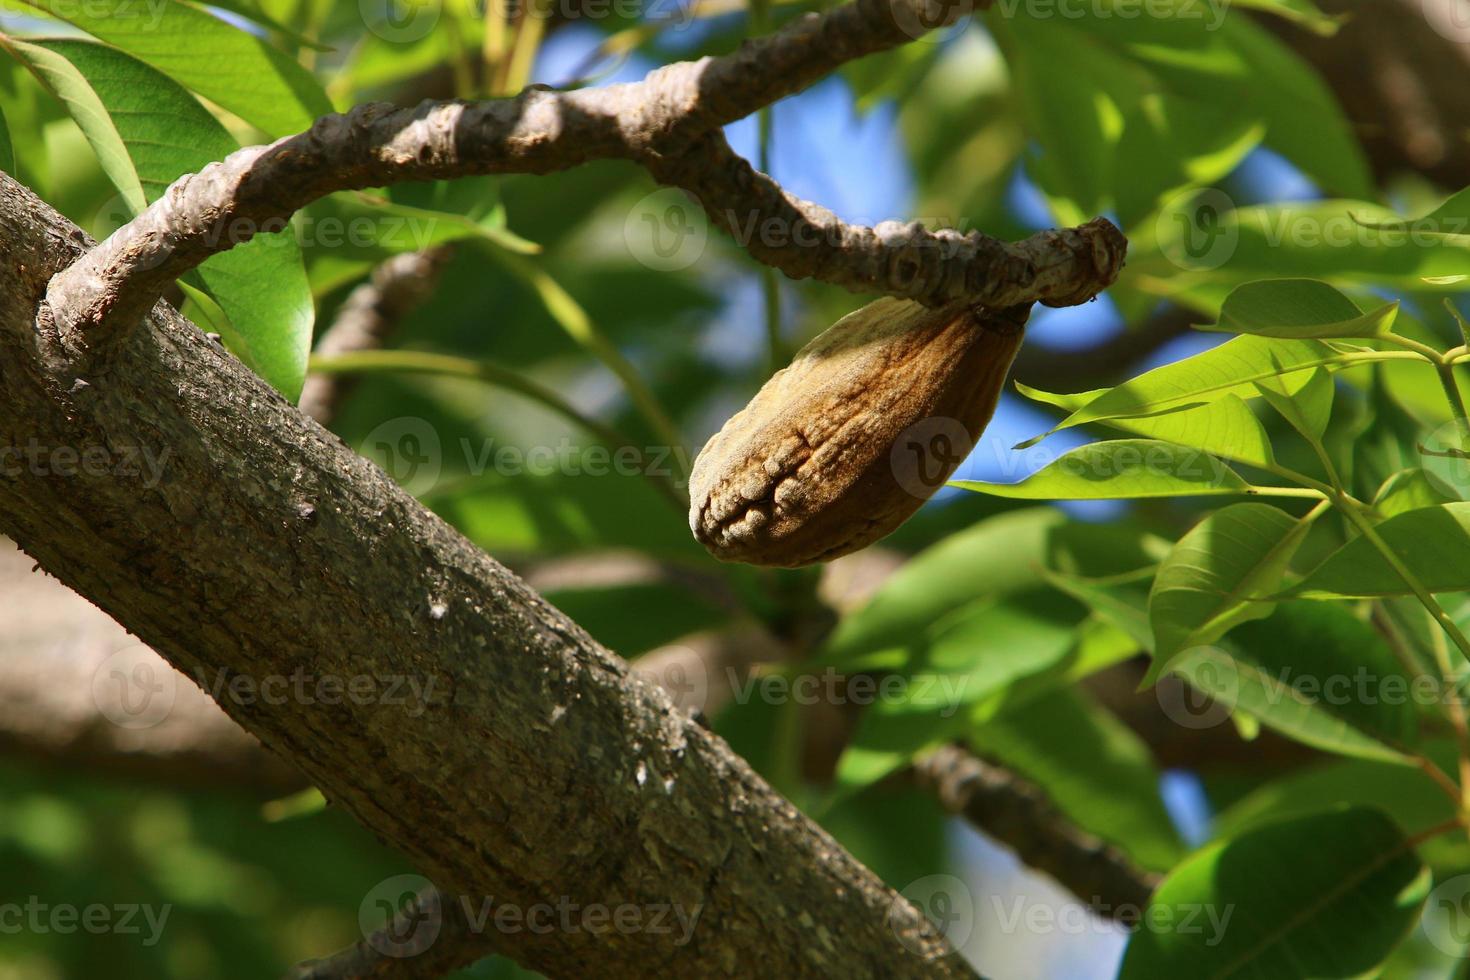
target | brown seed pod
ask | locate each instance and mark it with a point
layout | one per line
(841, 446)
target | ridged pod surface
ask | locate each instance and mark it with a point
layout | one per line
(842, 446)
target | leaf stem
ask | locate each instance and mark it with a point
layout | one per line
(1409, 343)
(572, 318)
(1305, 492)
(1355, 513)
(1452, 393)
(1438, 830)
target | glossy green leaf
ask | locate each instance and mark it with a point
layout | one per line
(1124, 606)
(1224, 427)
(1234, 367)
(952, 573)
(1408, 490)
(252, 11)
(1301, 309)
(1326, 895)
(1305, 121)
(1121, 469)
(1407, 795)
(1317, 674)
(221, 62)
(1450, 222)
(1092, 767)
(975, 654)
(1199, 251)
(1308, 409)
(1212, 579)
(1151, 104)
(146, 132)
(1433, 543)
(1171, 143)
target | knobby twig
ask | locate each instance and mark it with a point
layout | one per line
(1018, 814)
(668, 122)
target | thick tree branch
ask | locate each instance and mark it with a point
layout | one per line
(656, 122)
(444, 704)
(1017, 814)
(65, 668)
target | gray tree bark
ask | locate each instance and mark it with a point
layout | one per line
(430, 692)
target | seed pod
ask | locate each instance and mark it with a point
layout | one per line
(844, 444)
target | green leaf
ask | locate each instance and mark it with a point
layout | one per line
(1125, 607)
(952, 573)
(1328, 895)
(1121, 469)
(1153, 104)
(1449, 222)
(1210, 581)
(1096, 771)
(1309, 409)
(85, 106)
(252, 11)
(1196, 252)
(1432, 542)
(1317, 674)
(974, 655)
(1407, 795)
(221, 62)
(1301, 309)
(147, 131)
(1170, 144)
(1232, 368)
(1223, 427)
(1305, 122)
(1407, 490)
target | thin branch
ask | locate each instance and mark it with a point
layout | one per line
(1017, 814)
(667, 122)
(368, 315)
(806, 241)
(427, 937)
